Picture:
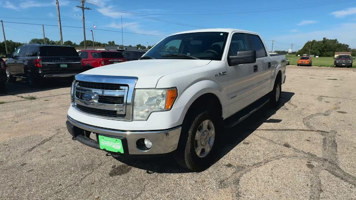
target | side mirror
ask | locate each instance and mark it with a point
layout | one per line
(242, 57)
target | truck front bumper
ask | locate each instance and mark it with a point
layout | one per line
(163, 141)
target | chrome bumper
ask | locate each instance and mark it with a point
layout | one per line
(163, 141)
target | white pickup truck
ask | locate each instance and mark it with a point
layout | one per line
(176, 98)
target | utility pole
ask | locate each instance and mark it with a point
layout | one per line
(83, 18)
(122, 34)
(272, 44)
(59, 22)
(3, 32)
(44, 34)
(92, 36)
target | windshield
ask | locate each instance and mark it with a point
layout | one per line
(203, 45)
(344, 57)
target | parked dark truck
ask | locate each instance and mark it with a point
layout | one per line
(343, 61)
(37, 62)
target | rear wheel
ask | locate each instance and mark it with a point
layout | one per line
(198, 143)
(33, 80)
(275, 96)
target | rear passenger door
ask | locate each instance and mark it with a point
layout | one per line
(264, 65)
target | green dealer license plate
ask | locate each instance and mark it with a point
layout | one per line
(111, 144)
(63, 65)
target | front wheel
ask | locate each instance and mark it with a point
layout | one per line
(199, 134)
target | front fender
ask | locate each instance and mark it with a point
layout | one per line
(193, 92)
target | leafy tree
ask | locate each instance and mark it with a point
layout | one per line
(11, 46)
(324, 48)
(40, 41)
(111, 43)
(70, 43)
(139, 46)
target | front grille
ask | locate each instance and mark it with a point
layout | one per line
(100, 112)
(104, 96)
(103, 86)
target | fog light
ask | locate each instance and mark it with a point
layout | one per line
(143, 144)
(148, 143)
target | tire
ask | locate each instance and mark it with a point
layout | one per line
(34, 80)
(198, 142)
(275, 95)
(10, 78)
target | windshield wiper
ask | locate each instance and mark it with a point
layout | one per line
(182, 56)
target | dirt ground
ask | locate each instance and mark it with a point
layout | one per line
(304, 150)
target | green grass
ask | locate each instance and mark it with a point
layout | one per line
(321, 61)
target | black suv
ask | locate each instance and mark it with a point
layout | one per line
(36, 62)
(343, 61)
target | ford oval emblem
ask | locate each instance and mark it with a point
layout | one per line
(90, 97)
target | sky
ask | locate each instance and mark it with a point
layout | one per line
(282, 24)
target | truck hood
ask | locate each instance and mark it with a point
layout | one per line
(148, 72)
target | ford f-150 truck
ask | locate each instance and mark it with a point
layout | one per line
(176, 98)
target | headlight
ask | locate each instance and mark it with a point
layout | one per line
(152, 100)
(72, 91)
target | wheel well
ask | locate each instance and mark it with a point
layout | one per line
(207, 102)
(279, 77)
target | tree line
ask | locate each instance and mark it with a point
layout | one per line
(325, 48)
(11, 45)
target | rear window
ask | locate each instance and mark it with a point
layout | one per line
(57, 51)
(304, 58)
(111, 54)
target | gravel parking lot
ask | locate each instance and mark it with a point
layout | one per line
(304, 150)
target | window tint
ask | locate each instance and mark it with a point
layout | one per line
(83, 54)
(257, 45)
(32, 50)
(95, 55)
(17, 51)
(111, 54)
(57, 51)
(238, 43)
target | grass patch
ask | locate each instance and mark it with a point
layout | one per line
(29, 97)
(2, 102)
(321, 61)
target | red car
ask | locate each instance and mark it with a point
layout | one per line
(97, 58)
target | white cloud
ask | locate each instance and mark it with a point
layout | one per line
(109, 11)
(10, 6)
(306, 22)
(30, 4)
(344, 13)
(133, 27)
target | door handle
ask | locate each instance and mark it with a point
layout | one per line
(255, 68)
(269, 65)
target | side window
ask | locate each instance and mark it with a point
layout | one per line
(32, 51)
(95, 55)
(83, 54)
(172, 46)
(238, 43)
(257, 45)
(20, 52)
